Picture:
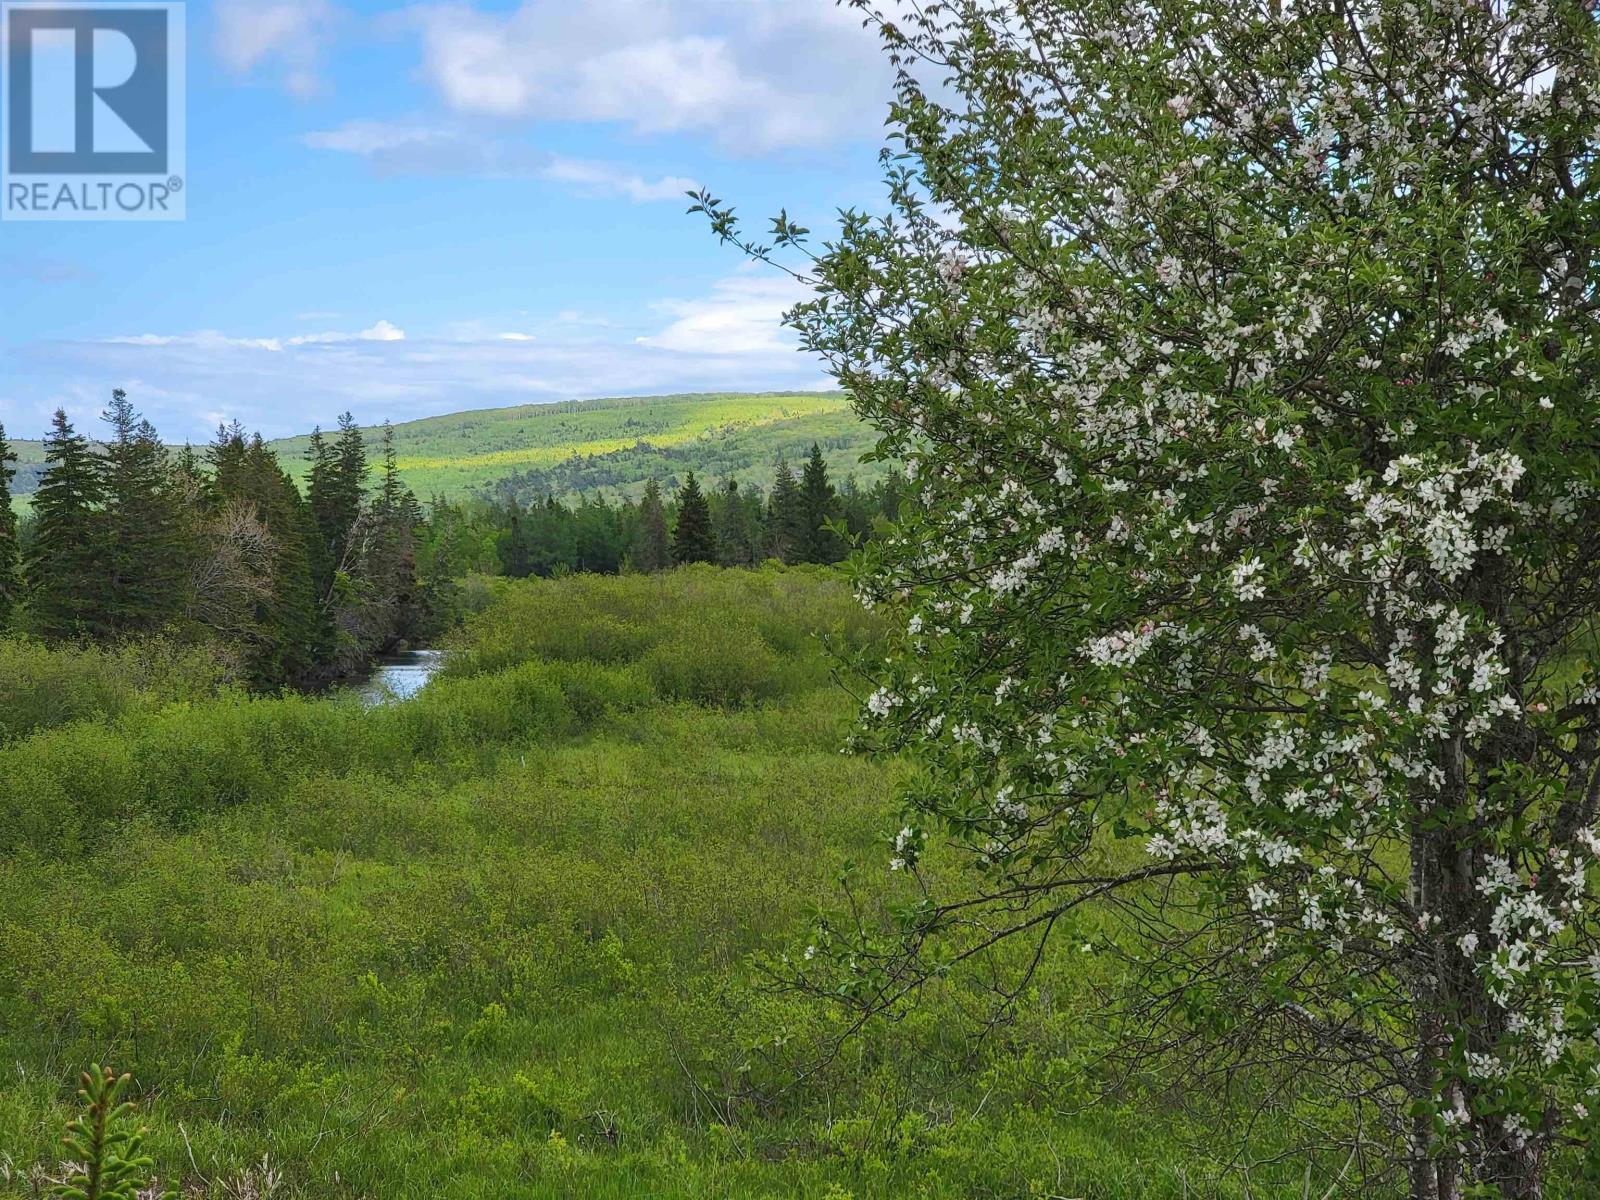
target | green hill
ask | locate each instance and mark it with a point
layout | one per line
(617, 444)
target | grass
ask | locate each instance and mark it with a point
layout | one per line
(497, 941)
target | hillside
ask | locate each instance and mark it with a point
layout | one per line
(578, 446)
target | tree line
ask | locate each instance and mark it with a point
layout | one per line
(801, 518)
(130, 539)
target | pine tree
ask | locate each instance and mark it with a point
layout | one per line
(820, 505)
(144, 561)
(10, 554)
(787, 531)
(65, 562)
(651, 551)
(692, 539)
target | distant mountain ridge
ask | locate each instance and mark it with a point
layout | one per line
(571, 448)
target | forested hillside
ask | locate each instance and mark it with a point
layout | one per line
(572, 449)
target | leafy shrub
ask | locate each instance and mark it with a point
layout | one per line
(720, 665)
(46, 687)
(766, 624)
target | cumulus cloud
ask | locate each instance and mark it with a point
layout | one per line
(286, 35)
(742, 316)
(758, 75)
(400, 148)
(728, 340)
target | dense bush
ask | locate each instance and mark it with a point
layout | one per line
(497, 940)
(771, 618)
(44, 687)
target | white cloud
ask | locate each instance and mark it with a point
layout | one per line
(604, 179)
(211, 339)
(743, 315)
(208, 339)
(758, 75)
(382, 331)
(396, 148)
(729, 340)
(290, 34)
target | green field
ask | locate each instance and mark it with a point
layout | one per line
(577, 447)
(502, 940)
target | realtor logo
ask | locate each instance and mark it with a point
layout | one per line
(93, 123)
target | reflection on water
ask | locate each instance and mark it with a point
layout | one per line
(400, 676)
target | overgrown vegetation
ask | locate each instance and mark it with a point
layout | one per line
(516, 936)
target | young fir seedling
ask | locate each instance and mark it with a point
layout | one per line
(108, 1158)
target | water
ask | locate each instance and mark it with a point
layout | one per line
(400, 676)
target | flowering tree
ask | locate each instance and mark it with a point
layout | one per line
(1247, 358)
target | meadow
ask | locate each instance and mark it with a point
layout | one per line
(517, 937)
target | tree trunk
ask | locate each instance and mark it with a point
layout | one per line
(1423, 1171)
(1516, 1173)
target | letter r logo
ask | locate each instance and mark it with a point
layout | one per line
(87, 89)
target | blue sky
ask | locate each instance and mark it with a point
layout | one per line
(414, 209)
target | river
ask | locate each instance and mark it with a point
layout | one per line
(399, 676)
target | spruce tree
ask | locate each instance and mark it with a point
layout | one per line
(10, 554)
(513, 549)
(66, 570)
(389, 564)
(350, 456)
(692, 539)
(335, 488)
(730, 521)
(820, 505)
(788, 534)
(651, 551)
(140, 527)
(295, 627)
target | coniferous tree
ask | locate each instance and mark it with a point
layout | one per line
(10, 553)
(731, 525)
(857, 509)
(788, 534)
(335, 488)
(651, 550)
(297, 628)
(514, 549)
(599, 537)
(693, 540)
(269, 536)
(388, 560)
(144, 560)
(350, 456)
(820, 506)
(65, 563)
